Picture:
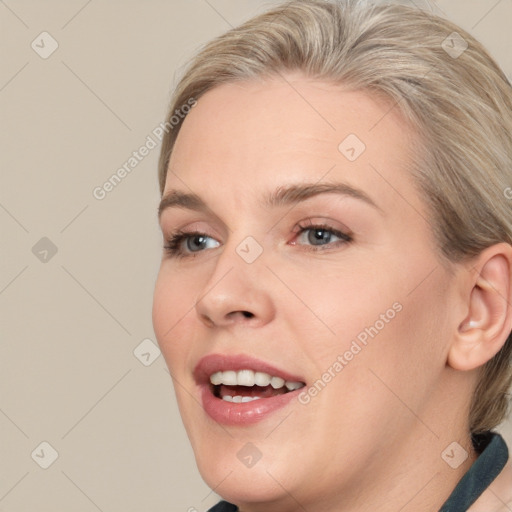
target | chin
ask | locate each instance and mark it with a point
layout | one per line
(245, 486)
(241, 471)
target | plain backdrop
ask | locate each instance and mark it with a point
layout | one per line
(79, 369)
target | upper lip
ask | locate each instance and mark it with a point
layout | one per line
(212, 363)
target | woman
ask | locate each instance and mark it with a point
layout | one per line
(334, 297)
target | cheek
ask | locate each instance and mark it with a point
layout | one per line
(344, 304)
(404, 337)
(380, 318)
(173, 305)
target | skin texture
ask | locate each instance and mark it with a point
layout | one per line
(372, 439)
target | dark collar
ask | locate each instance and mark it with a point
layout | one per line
(492, 459)
(493, 455)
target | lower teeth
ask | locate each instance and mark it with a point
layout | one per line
(240, 399)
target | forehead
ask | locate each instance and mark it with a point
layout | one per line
(260, 134)
(293, 107)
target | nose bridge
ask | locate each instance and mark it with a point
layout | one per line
(243, 252)
(236, 283)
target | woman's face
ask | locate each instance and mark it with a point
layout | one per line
(355, 310)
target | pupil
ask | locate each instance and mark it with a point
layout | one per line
(198, 237)
(320, 237)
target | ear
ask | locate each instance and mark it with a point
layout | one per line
(488, 290)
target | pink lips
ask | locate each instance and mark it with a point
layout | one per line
(229, 413)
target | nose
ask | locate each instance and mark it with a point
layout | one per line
(236, 292)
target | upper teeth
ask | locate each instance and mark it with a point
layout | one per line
(250, 378)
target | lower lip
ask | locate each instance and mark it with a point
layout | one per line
(245, 413)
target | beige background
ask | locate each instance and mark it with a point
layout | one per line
(70, 324)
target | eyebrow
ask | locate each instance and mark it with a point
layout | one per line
(283, 196)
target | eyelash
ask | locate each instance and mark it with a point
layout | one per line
(173, 243)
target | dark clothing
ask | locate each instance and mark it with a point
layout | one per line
(493, 456)
(223, 506)
(492, 459)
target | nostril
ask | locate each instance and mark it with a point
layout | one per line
(247, 314)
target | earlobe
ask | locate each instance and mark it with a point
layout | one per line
(488, 323)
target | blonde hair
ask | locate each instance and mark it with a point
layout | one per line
(458, 99)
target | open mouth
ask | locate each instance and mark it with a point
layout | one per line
(247, 385)
(240, 390)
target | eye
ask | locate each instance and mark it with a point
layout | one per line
(174, 243)
(320, 236)
(321, 233)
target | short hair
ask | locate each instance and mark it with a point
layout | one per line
(438, 77)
